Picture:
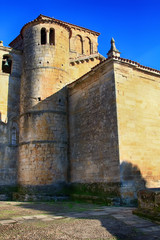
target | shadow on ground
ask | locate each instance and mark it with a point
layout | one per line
(92, 221)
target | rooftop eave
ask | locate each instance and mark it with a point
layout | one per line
(111, 60)
(74, 26)
(82, 59)
(134, 64)
(40, 19)
(91, 72)
(9, 49)
(17, 39)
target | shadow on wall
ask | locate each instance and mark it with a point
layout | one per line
(9, 131)
(131, 181)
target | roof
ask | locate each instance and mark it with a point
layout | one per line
(138, 65)
(17, 39)
(120, 60)
(42, 18)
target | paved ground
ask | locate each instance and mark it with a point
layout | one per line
(98, 223)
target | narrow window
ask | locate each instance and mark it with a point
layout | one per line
(52, 36)
(43, 36)
(79, 44)
(87, 46)
(14, 136)
(6, 64)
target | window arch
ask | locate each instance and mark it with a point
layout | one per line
(6, 64)
(79, 44)
(43, 36)
(14, 136)
(87, 46)
(52, 36)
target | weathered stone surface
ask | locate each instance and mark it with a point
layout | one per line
(148, 204)
(9, 110)
(93, 128)
(103, 128)
(137, 98)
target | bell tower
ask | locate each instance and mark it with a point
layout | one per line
(43, 113)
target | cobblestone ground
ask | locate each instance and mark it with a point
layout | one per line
(47, 221)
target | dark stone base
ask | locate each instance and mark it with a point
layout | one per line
(6, 192)
(105, 193)
(41, 193)
(97, 192)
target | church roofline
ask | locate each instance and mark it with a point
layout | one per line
(73, 25)
(118, 59)
(10, 49)
(17, 39)
(43, 18)
(136, 64)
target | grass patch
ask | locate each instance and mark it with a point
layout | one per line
(7, 213)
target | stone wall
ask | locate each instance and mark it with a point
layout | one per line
(93, 145)
(79, 67)
(43, 118)
(149, 204)
(137, 97)
(43, 142)
(9, 112)
(8, 158)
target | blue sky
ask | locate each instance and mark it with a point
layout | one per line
(135, 25)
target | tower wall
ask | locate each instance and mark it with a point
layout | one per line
(43, 119)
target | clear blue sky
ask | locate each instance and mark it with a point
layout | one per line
(134, 24)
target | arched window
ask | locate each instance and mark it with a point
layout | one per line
(87, 46)
(79, 44)
(6, 64)
(14, 136)
(43, 36)
(52, 37)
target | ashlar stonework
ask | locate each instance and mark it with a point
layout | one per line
(69, 116)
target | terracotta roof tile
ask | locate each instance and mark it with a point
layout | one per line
(136, 64)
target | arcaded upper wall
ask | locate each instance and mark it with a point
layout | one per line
(138, 110)
(82, 43)
(83, 52)
(93, 136)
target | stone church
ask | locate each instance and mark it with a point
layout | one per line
(68, 115)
